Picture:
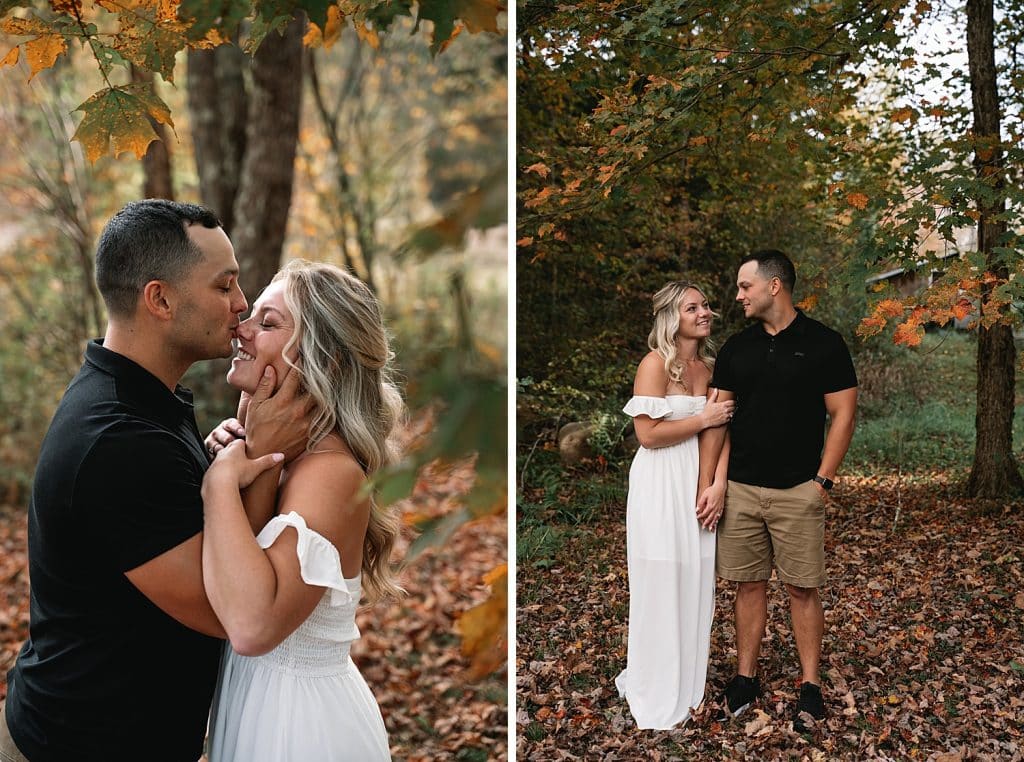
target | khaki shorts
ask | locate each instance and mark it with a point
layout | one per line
(761, 524)
(8, 751)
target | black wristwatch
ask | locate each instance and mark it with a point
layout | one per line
(826, 484)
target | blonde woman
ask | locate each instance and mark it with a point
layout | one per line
(670, 546)
(286, 586)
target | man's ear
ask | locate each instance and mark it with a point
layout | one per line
(157, 297)
(775, 286)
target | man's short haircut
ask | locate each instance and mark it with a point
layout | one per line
(772, 263)
(147, 240)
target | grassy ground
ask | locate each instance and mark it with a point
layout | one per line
(924, 649)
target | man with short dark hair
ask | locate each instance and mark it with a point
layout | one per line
(123, 648)
(786, 372)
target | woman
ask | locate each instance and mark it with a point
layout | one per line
(287, 597)
(671, 558)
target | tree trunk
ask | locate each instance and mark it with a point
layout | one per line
(268, 169)
(994, 473)
(218, 107)
(245, 142)
(156, 164)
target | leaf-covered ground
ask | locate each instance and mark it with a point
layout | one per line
(409, 653)
(923, 651)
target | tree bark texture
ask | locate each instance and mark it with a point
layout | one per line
(994, 473)
(268, 169)
(246, 128)
(156, 164)
(218, 107)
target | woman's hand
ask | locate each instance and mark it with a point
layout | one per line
(227, 431)
(717, 413)
(232, 464)
(710, 505)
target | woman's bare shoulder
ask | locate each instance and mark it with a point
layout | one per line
(651, 376)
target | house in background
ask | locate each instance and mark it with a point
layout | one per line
(909, 282)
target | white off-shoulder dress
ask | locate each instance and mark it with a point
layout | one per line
(305, 701)
(671, 562)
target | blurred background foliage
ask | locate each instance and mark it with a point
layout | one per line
(663, 141)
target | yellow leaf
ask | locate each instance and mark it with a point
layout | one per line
(479, 15)
(117, 119)
(11, 58)
(367, 35)
(525, 241)
(809, 303)
(484, 628)
(43, 51)
(699, 140)
(857, 200)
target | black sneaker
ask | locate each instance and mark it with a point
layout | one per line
(739, 694)
(809, 703)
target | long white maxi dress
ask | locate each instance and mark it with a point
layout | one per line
(671, 562)
(305, 701)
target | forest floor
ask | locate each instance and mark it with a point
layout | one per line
(409, 652)
(923, 652)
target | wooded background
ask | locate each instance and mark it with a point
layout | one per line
(879, 144)
(368, 134)
(666, 141)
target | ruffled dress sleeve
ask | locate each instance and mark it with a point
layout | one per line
(655, 407)
(319, 561)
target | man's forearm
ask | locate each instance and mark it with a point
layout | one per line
(840, 434)
(709, 447)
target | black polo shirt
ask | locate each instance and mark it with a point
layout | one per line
(105, 674)
(778, 430)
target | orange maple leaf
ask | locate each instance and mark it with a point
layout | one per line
(809, 303)
(889, 308)
(484, 628)
(857, 200)
(962, 309)
(909, 333)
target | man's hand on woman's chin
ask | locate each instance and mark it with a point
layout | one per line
(277, 421)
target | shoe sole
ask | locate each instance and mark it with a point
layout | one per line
(734, 715)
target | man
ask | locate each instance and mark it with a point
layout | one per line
(786, 372)
(123, 649)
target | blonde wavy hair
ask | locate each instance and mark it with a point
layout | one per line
(662, 338)
(346, 368)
